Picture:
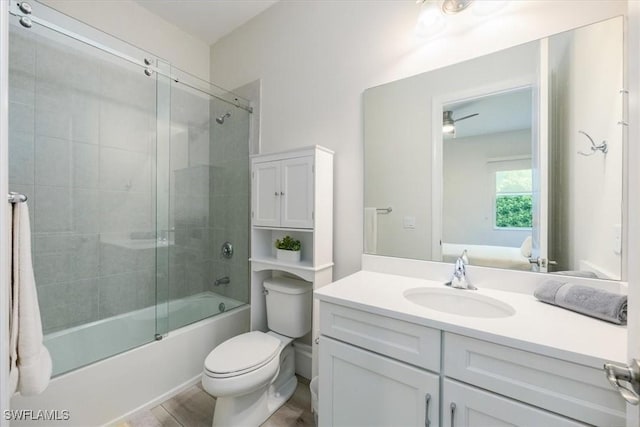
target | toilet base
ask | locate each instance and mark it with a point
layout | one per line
(254, 408)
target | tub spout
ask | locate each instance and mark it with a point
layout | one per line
(222, 281)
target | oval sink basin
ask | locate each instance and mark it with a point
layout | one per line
(460, 302)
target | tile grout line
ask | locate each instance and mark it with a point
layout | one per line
(171, 415)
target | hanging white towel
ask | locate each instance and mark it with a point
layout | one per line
(30, 360)
(370, 230)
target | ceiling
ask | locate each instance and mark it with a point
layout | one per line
(208, 20)
(502, 112)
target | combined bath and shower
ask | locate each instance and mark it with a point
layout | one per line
(223, 117)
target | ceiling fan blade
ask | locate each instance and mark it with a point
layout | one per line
(466, 117)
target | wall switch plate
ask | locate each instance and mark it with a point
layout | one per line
(409, 222)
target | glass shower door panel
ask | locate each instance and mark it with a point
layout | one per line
(209, 204)
(82, 147)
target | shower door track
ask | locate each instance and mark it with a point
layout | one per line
(22, 10)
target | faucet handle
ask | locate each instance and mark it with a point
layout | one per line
(464, 257)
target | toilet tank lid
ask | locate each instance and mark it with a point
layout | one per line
(242, 352)
(287, 285)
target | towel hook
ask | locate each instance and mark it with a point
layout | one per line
(594, 148)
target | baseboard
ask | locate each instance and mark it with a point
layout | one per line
(158, 400)
(303, 359)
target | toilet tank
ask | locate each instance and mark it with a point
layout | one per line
(288, 306)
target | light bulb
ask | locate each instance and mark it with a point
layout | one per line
(430, 21)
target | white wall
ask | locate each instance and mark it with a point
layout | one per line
(5, 213)
(632, 236)
(315, 59)
(599, 113)
(592, 187)
(468, 213)
(134, 24)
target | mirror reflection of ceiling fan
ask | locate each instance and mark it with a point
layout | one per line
(449, 123)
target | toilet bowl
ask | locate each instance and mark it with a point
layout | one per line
(256, 383)
(253, 374)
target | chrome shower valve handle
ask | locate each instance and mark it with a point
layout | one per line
(625, 379)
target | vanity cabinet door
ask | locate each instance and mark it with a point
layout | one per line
(478, 408)
(361, 388)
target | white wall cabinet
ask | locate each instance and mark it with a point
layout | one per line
(372, 390)
(291, 194)
(283, 192)
(377, 370)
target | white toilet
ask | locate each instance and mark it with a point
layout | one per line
(253, 374)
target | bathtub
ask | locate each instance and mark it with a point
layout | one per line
(88, 343)
(111, 389)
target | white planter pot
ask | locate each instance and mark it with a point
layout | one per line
(287, 256)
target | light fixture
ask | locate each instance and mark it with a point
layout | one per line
(451, 7)
(449, 123)
(432, 15)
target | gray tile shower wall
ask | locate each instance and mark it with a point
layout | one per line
(82, 147)
(230, 200)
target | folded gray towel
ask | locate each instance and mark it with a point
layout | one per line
(585, 300)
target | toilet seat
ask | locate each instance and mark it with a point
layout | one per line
(241, 354)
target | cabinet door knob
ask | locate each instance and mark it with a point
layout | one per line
(275, 194)
(282, 193)
(453, 414)
(427, 400)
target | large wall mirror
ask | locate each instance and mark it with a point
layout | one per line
(515, 157)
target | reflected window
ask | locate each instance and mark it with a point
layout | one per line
(514, 199)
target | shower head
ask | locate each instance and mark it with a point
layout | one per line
(222, 118)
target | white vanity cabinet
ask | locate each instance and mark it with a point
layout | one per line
(368, 389)
(560, 386)
(376, 369)
(466, 406)
(283, 191)
(382, 376)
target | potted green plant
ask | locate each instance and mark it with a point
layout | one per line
(288, 249)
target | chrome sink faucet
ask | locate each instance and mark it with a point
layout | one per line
(459, 277)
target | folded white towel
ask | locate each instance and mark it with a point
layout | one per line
(370, 230)
(30, 360)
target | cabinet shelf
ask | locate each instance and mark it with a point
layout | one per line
(277, 264)
(302, 230)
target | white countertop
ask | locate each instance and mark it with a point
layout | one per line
(535, 327)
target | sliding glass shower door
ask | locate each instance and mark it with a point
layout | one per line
(83, 147)
(137, 178)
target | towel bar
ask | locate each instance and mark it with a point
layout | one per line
(14, 197)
